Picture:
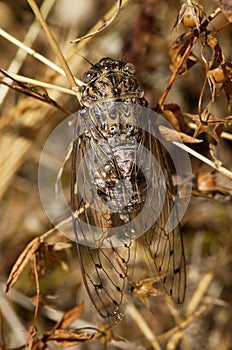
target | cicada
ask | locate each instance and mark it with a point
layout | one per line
(122, 193)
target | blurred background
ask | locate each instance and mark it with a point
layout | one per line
(142, 34)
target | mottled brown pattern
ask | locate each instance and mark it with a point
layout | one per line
(111, 183)
(111, 80)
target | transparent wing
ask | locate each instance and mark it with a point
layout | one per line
(118, 180)
(106, 258)
(107, 279)
(165, 245)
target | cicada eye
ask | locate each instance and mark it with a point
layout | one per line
(113, 128)
(130, 68)
(106, 68)
(87, 76)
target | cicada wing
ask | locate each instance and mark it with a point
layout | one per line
(139, 181)
(106, 268)
(106, 274)
(163, 241)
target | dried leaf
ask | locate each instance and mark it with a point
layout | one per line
(207, 184)
(46, 254)
(70, 317)
(172, 113)
(63, 338)
(226, 7)
(22, 261)
(173, 135)
(177, 51)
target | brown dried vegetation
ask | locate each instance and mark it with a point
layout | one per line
(184, 63)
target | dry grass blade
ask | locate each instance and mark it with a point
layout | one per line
(109, 14)
(35, 54)
(54, 46)
(34, 91)
(205, 160)
(27, 80)
(145, 329)
(175, 331)
(199, 293)
(102, 26)
(28, 41)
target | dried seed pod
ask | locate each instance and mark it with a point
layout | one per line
(190, 15)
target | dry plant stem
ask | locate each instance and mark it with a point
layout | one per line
(224, 134)
(17, 297)
(205, 160)
(27, 254)
(14, 149)
(103, 26)
(2, 340)
(28, 91)
(203, 86)
(54, 46)
(211, 17)
(55, 228)
(163, 337)
(26, 80)
(199, 293)
(192, 313)
(108, 15)
(30, 51)
(175, 340)
(145, 329)
(37, 290)
(28, 41)
(35, 54)
(174, 75)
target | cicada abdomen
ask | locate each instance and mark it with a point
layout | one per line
(121, 190)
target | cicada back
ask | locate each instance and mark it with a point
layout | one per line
(121, 190)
